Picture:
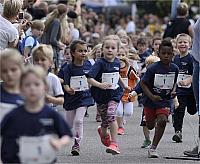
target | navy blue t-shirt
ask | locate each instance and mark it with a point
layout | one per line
(138, 89)
(160, 79)
(81, 98)
(185, 65)
(8, 101)
(103, 66)
(143, 56)
(20, 122)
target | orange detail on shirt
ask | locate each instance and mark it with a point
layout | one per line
(132, 80)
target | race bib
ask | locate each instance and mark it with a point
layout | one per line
(111, 79)
(164, 81)
(79, 83)
(5, 109)
(36, 149)
(125, 80)
(182, 77)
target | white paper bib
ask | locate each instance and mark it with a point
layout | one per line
(182, 77)
(36, 150)
(79, 83)
(125, 80)
(111, 79)
(164, 81)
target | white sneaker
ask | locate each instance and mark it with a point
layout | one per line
(152, 153)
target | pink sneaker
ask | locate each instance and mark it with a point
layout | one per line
(120, 131)
(105, 140)
(113, 149)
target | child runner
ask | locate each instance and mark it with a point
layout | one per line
(184, 91)
(33, 119)
(94, 55)
(155, 45)
(78, 96)
(104, 78)
(158, 84)
(11, 70)
(125, 107)
(43, 56)
(138, 90)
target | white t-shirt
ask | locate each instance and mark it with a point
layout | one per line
(30, 42)
(8, 33)
(55, 88)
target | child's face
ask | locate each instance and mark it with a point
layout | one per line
(166, 55)
(141, 48)
(98, 53)
(121, 53)
(110, 49)
(37, 32)
(183, 44)
(156, 45)
(10, 73)
(44, 62)
(67, 55)
(33, 88)
(80, 52)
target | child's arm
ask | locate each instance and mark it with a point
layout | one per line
(95, 83)
(54, 100)
(69, 90)
(58, 143)
(27, 51)
(147, 92)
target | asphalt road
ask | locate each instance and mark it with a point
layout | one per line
(92, 151)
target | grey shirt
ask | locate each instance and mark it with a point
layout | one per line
(196, 41)
(52, 35)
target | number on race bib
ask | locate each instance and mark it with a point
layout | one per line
(111, 79)
(39, 149)
(164, 81)
(79, 83)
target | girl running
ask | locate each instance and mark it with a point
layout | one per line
(105, 79)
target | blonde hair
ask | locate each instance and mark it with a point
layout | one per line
(182, 9)
(56, 13)
(12, 55)
(41, 51)
(37, 24)
(184, 35)
(93, 52)
(151, 59)
(114, 38)
(36, 70)
(12, 8)
(125, 60)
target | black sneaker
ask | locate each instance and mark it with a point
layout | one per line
(177, 137)
(75, 151)
(192, 153)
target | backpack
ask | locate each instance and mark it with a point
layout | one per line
(21, 44)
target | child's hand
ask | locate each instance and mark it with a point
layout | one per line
(104, 86)
(173, 94)
(184, 82)
(132, 94)
(155, 98)
(56, 143)
(71, 91)
(48, 98)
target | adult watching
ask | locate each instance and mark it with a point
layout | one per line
(9, 35)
